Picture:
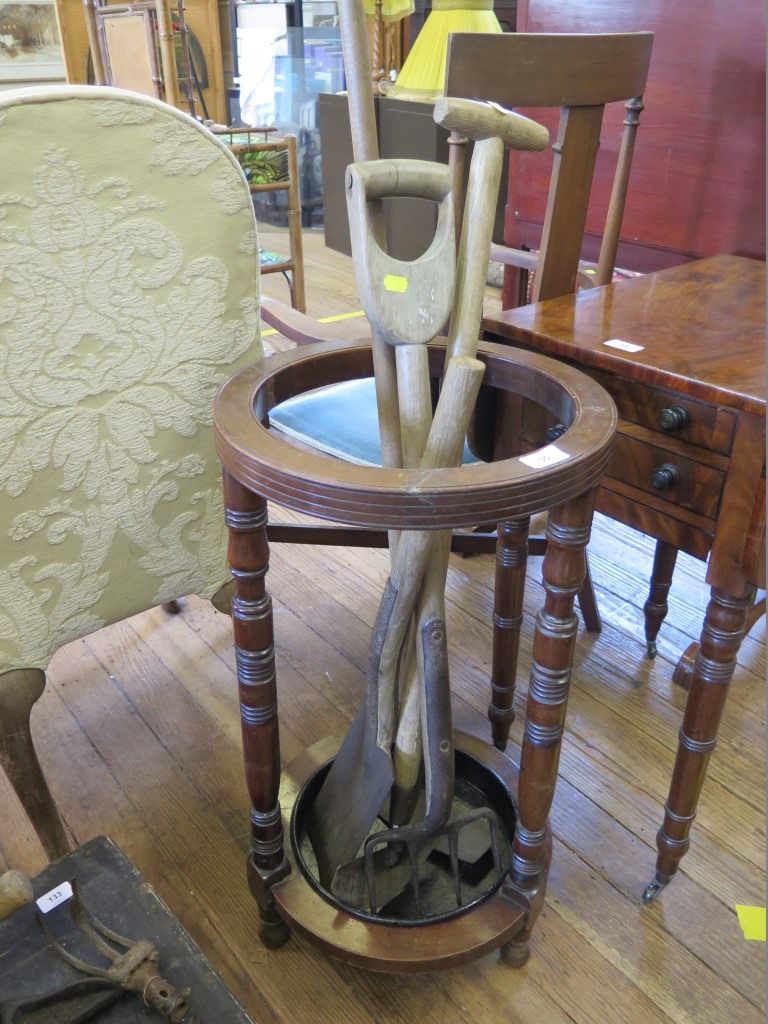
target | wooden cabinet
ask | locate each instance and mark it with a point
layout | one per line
(698, 178)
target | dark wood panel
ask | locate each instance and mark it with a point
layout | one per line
(690, 533)
(695, 486)
(698, 179)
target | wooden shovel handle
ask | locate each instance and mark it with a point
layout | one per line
(407, 302)
(444, 447)
(477, 120)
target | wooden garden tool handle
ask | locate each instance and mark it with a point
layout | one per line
(478, 120)
(434, 687)
(444, 447)
(365, 146)
(407, 302)
(15, 891)
(492, 128)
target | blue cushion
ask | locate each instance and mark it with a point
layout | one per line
(340, 420)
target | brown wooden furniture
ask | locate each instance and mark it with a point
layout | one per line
(132, 47)
(682, 352)
(698, 177)
(259, 465)
(286, 181)
(578, 75)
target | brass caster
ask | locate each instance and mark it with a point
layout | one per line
(653, 889)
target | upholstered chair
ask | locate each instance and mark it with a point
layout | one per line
(129, 292)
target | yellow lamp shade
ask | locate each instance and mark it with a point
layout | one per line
(424, 68)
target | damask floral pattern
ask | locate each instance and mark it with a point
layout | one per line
(128, 294)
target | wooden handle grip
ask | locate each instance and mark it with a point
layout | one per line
(15, 891)
(478, 121)
(412, 179)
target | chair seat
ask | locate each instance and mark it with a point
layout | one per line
(340, 420)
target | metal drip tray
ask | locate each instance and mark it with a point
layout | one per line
(435, 897)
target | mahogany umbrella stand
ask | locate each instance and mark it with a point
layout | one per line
(557, 477)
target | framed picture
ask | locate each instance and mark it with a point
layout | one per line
(30, 46)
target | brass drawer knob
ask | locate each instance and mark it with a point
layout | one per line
(664, 477)
(673, 418)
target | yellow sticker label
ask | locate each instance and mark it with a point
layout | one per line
(395, 283)
(341, 316)
(323, 320)
(752, 921)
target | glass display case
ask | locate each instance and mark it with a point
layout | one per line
(287, 54)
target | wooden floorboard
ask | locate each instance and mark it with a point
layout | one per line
(139, 734)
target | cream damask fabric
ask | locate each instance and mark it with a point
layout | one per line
(129, 284)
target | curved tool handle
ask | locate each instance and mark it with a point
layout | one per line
(477, 120)
(444, 447)
(406, 302)
(410, 179)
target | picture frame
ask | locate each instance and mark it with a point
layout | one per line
(30, 42)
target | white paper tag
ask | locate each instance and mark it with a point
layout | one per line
(548, 456)
(625, 346)
(53, 898)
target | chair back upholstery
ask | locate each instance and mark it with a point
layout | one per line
(129, 289)
(579, 74)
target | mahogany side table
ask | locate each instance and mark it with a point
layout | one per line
(682, 352)
(559, 478)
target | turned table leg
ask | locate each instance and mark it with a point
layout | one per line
(509, 590)
(554, 641)
(248, 551)
(713, 669)
(655, 608)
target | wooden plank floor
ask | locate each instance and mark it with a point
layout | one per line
(139, 735)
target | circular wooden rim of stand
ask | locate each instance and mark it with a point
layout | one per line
(402, 949)
(466, 496)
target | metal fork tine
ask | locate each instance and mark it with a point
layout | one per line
(418, 844)
(453, 853)
(496, 847)
(414, 862)
(370, 875)
(97, 925)
(65, 955)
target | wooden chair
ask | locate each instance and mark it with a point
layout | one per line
(133, 46)
(271, 165)
(577, 75)
(127, 302)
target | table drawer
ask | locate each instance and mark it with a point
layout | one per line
(669, 476)
(670, 413)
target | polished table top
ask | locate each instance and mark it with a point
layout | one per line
(700, 328)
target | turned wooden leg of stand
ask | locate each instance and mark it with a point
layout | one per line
(19, 689)
(713, 669)
(509, 590)
(655, 608)
(554, 640)
(586, 597)
(246, 517)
